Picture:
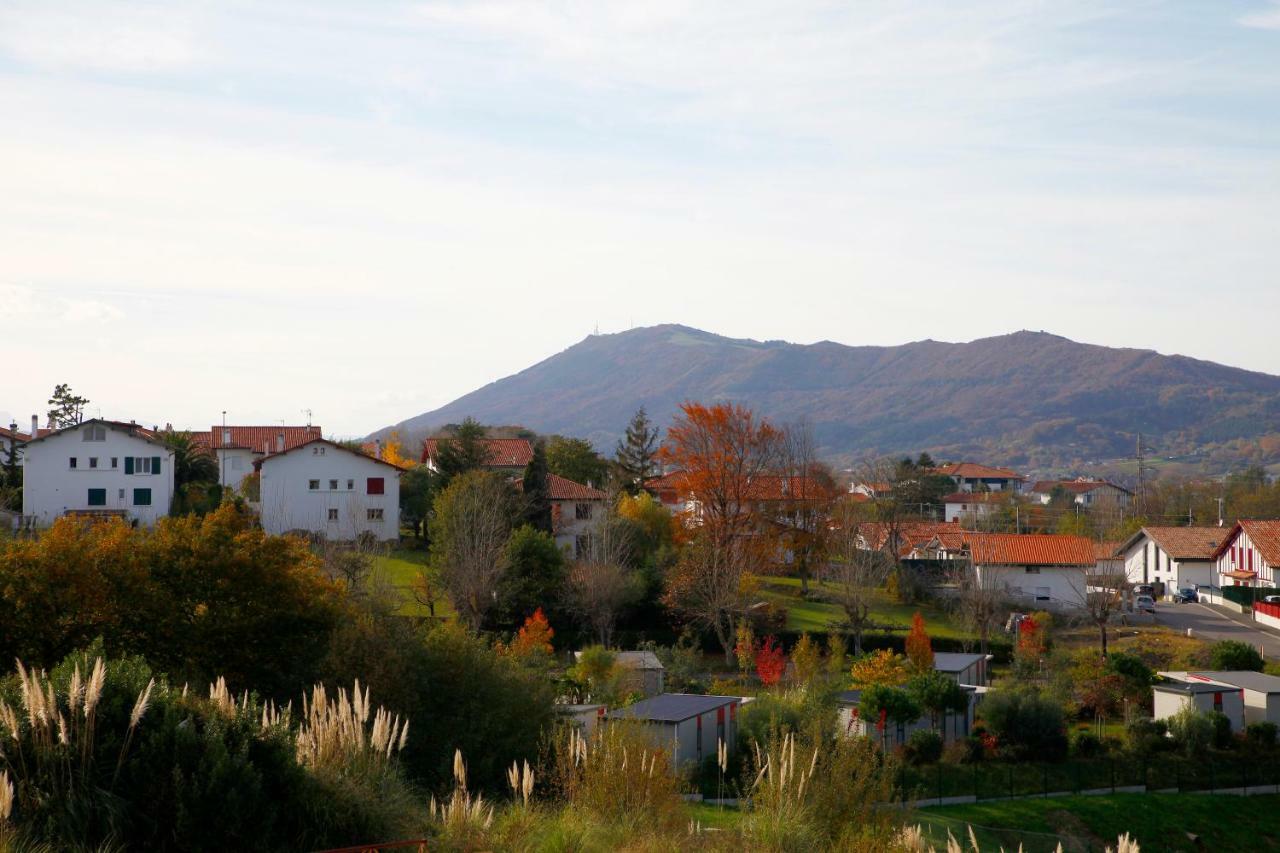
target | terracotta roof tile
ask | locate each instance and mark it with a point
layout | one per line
(564, 489)
(1078, 486)
(1264, 533)
(1030, 549)
(973, 469)
(502, 452)
(260, 439)
(5, 432)
(1187, 543)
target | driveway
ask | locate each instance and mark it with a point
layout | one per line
(1216, 623)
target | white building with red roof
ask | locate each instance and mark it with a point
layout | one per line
(1249, 554)
(1043, 571)
(576, 512)
(329, 490)
(1085, 491)
(239, 448)
(974, 477)
(10, 438)
(504, 455)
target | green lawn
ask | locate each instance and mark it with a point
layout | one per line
(806, 615)
(400, 568)
(1157, 821)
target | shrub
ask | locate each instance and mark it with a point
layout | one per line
(964, 751)
(1146, 736)
(1261, 735)
(1086, 744)
(618, 774)
(1234, 655)
(924, 746)
(1026, 723)
(1192, 731)
(1221, 730)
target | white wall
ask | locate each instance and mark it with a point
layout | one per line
(569, 527)
(234, 464)
(1239, 548)
(1168, 703)
(1175, 574)
(1049, 588)
(289, 503)
(51, 487)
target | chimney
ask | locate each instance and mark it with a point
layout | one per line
(35, 424)
(377, 447)
(280, 442)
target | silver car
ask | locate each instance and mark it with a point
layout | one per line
(1145, 604)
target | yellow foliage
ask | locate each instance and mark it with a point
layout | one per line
(880, 667)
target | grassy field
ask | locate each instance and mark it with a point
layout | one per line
(807, 615)
(400, 568)
(1157, 821)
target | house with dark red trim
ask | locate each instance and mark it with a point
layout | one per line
(1249, 554)
(692, 726)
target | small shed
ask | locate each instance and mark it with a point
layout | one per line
(1261, 693)
(584, 717)
(693, 725)
(1201, 693)
(952, 726)
(645, 674)
(973, 669)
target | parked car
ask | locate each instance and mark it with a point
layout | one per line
(1145, 604)
(1145, 589)
(1271, 599)
(1186, 595)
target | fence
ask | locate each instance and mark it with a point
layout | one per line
(1247, 596)
(1159, 772)
(1267, 614)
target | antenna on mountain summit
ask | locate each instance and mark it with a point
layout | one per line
(597, 328)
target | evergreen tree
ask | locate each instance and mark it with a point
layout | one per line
(464, 451)
(68, 408)
(636, 451)
(537, 494)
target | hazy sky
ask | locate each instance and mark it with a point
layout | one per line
(368, 209)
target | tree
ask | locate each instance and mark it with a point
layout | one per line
(67, 407)
(637, 452)
(886, 704)
(1234, 655)
(535, 574)
(721, 449)
(937, 694)
(416, 490)
(980, 602)
(879, 667)
(857, 571)
(534, 636)
(803, 518)
(1026, 722)
(463, 451)
(392, 451)
(575, 459)
(537, 494)
(1102, 597)
(469, 532)
(192, 461)
(806, 657)
(11, 477)
(771, 662)
(919, 649)
(601, 581)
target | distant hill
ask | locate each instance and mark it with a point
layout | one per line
(1029, 399)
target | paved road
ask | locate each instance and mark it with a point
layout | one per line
(1215, 623)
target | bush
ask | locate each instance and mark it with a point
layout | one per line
(1221, 730)
(1234, 655)
(1147, 736)
(969, 750)
(1085, 744)
(924, 746)
(1261, 735)
(1027, 724)
(1193, 731)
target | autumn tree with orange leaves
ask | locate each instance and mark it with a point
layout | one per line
(720, 450)
(534, 637)
(919, 649)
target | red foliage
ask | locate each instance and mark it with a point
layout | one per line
(771, 663)
(534, 636)
(1030, 639)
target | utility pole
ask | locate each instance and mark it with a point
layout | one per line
(1220, 501)
(1142, 478)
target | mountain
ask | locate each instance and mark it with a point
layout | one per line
(1027, 399)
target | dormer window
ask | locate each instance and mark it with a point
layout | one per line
(93, 432)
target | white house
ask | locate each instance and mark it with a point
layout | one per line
(504, 455)
(1249, 554)
(692, 726)
(975, 506)
(97, 467)
(238, 448)
(1042, 571)
(973, 477)
(1178, 557)
(325, 488)
(10, 438)
(1085, 491)
(575, 511)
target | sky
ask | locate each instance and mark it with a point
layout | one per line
(367, 209)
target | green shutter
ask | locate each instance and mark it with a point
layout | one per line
(155, 464)
(97, 497)
(128, 464)
(142, 497)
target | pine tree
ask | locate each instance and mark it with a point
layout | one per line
(636, 451)
(537, 493)
(462, 452)
(68, 409)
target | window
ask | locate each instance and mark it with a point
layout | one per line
(120, 495)
(582, 512)
(1033, 570)
(333, 515)
(374, 514)
(234, 463)
(581, 545)
(313, 485)
(1042, 593)
(375, 486)
(97, 497)
(226, 436)
(333, 485)
(93, 462)
(1217, 702)
(73, 462)
(142, 497)
(317, 451)
(94, 433)
(115, 462)
(351, 484)
(142, 465)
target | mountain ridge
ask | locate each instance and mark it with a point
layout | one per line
(1028, 398)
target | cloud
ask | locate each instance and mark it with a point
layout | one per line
(128, 37)
(1264, 19)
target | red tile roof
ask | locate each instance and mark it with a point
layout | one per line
(1184, 543)
(260, 439)
(911, 534)
(564, 489)
(1030, 549)
(766, 487)
(973, 469)
(501, 452)
(978, 498)
(258, 463)
(1106, 550)
(1263, 533)
(130, 428)
(1078, 486)
(5, 432)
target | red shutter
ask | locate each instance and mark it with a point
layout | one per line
(720, 716)
(374, 486)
